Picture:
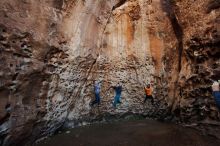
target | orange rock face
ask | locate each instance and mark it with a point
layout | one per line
(52, 52)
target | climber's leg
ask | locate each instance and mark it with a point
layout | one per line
(216, 95)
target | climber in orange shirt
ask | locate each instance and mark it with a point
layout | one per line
(148, 93)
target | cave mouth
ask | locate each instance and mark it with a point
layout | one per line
(131, 132)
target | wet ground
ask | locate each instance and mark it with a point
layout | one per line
(133, 133)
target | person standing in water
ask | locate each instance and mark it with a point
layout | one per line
(117, 98)
(216, 93)
(148, 93)
(97, 90)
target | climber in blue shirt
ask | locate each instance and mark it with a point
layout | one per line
(216, 93)
(117, 98)
(97, 90)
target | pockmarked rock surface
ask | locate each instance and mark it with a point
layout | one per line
(52, 51)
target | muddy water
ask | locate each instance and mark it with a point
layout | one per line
(133, 133)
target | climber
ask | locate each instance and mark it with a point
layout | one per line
(97, 89)
(117, 98)
(216, 93)
(148, 93)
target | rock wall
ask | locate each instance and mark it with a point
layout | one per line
(52, 51)
(197, 63)
(197, 31)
